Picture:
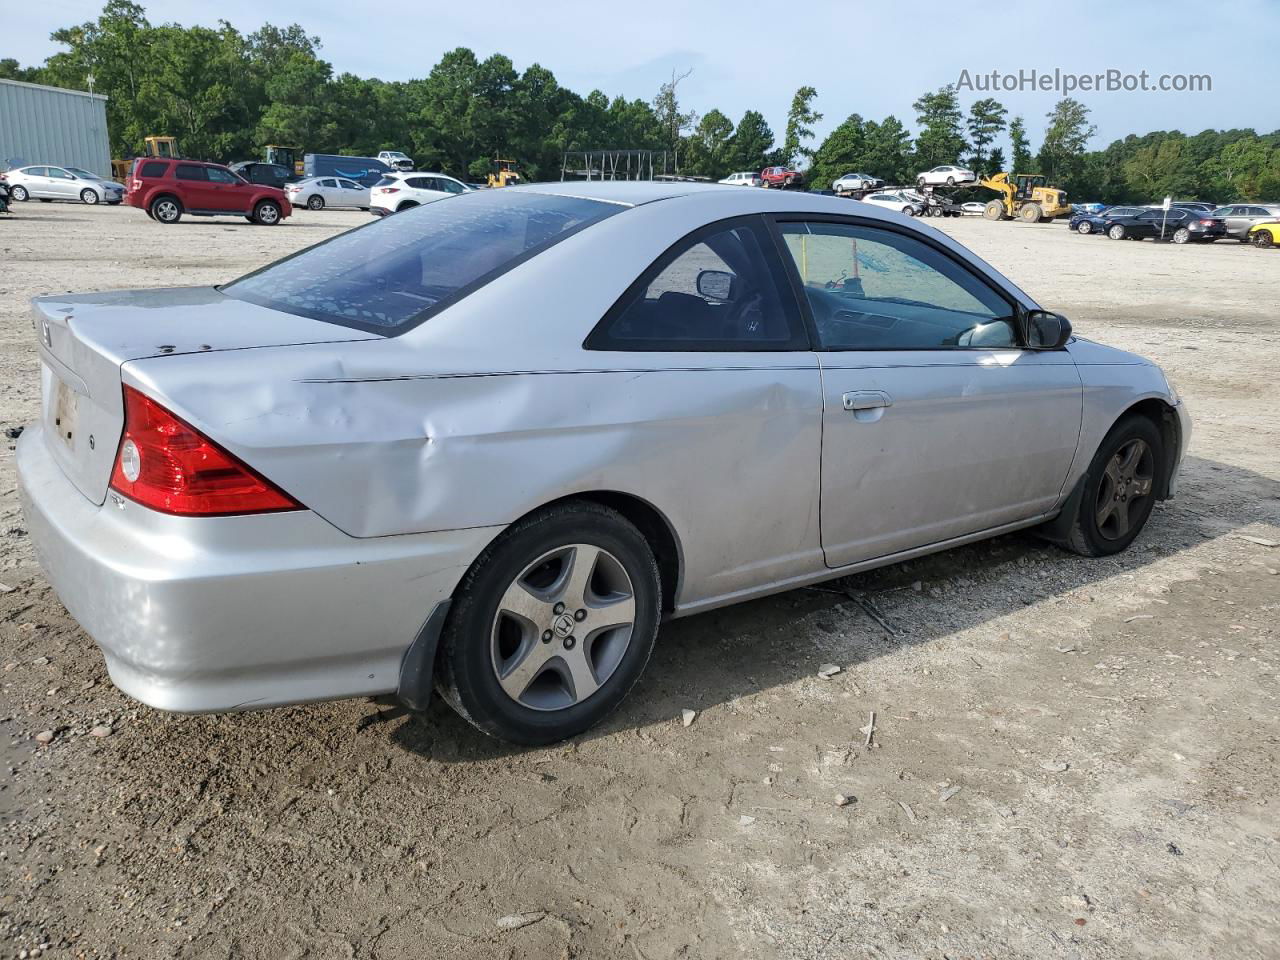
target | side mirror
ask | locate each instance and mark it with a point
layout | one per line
(1047, 331)
(715, 284)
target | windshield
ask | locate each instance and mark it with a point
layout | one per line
(393, 274)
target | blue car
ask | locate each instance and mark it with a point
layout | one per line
(1087, 223)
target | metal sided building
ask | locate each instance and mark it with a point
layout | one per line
(40, 124)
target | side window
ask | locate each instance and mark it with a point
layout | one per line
(348, 185)
(37, 171)
(1152, 215)
(189, 171)
(57, 173)
(220, 176)
(153, 168)
(328, 182)
(450, 186)
(874, 289)
(721, 288)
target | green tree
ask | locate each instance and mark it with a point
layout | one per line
(1021, 155)
(940, 139)
(10, 69)
(751, 144)
(800, 120)
(986, 122)
(888, 150)
(995, 160)
(1069, 130)
(708, 148)
(844, 151)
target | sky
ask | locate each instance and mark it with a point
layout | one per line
(872, 59)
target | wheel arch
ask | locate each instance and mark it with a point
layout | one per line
(1165, 419)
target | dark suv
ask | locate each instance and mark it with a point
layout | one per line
(168, 188)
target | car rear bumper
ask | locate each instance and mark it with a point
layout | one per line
(232, 613)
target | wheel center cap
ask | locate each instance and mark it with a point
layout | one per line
(563, 625)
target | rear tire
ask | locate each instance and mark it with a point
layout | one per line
(315, 202)
(1181, 235)
(1030, 213)
(1118, 496)
(1116, 231)
(166, 210)
(484, 647)
(88, 196)
(1263, 239)
(19, 192)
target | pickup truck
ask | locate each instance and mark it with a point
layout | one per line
(781, 178)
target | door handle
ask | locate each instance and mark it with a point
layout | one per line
(866, 400)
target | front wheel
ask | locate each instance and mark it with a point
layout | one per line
(18, 192)
(1116, 232)
(552, 625)
(267, 213)
(88, 196)
(909, 211)
(1084, 228)
(1119, 490)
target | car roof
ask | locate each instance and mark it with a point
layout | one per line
(629, 192)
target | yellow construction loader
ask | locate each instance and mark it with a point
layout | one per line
(155, 147)
(503, 173)
(1024, 196)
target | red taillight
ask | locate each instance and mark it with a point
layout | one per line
(1207, 223)
(166, 464)
(390, 189)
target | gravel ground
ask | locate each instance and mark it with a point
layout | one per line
(1070, 758)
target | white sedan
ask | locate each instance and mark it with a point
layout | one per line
(402, 191)
(61, 183)
(856, 181)
(946, 175)
(316, 193)
(895, 201)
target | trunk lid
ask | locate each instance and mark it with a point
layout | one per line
(84, 338)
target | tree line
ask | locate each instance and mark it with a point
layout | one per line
(225, 95)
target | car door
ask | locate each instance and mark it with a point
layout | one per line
(228, 193)
(711, 354)
(62, 185)
(197, 193)
(36, 181)
(351, 194)
(937, 423)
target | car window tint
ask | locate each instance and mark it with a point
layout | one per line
(722, 289)
(189, 171)
(221, 176)
(450, 186)
(873, 289)
(349, 185)
(153, 168)
(328, 182)
(36, 171)
(394, 273)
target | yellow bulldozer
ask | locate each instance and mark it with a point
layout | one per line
(154, 147)
(1024, 196)
(503, 173)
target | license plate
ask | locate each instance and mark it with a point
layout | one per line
(62, 415)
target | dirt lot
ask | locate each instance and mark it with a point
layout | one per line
(1112, 726)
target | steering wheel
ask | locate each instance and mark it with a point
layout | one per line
(738, 325)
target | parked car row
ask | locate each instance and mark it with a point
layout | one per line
(1183, 222)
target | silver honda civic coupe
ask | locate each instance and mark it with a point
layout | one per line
(487, 446)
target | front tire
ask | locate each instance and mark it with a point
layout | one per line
(994, 210)
(552, 625)
(267, 213)
(88, 196)
(1084, 228)
(1119, 490)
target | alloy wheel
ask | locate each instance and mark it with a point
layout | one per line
(562, 627)
(88, 196)
(1128, 478)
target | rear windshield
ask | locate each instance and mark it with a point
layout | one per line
(393, 274)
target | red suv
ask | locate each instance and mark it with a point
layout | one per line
(783, 177)
(168, 188)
